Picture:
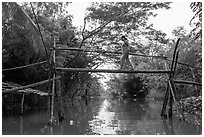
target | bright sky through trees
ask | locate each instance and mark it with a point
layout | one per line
(180, 14)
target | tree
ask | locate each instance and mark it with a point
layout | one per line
(21, 41)
(108, 21)
(197, 18)
(129, 18)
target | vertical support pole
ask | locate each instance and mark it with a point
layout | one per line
(173, 60)
(50, 65)
(166, 98)
(170, 110)
(53, 89)
(172, 80)
(165, 101)
(60, 101)
(171, 83)
(176, 61)
(49, 83)
(22, 103)
(169, 94)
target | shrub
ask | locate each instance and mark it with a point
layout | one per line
(136, 88)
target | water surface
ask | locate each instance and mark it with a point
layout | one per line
(101, 117)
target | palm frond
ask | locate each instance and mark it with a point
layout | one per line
(21, 18)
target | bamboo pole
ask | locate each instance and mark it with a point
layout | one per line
(165, 101)
(60, 102)
(169, 96)
(188, 82)
(172, 90)
(118, 53)
(22, 103)
(53, 90)
(49, 82)
(171, 76)
(112, 71)
(167, 92)
(171, 82)
(176, 61)
(174, 56)
(28, 86)
(110, 52)
(113, 52)
(20, 67)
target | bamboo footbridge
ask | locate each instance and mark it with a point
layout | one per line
(54, 81)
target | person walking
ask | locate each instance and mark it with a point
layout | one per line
(125, 53)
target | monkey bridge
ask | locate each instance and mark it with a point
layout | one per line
(55, 80)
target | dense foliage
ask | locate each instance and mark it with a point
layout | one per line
(196, 21)
(28, 32)
(103, 26)
(111, 20)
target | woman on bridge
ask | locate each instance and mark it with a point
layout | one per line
(125, 53)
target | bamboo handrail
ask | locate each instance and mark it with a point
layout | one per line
(20, 67)
(25, 66)
(114, 52)
(102, 51)
(184, 64)
(111, 71)
(53, 88)
(27, 86)
(188, 82)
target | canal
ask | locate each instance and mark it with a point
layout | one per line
(101, 117)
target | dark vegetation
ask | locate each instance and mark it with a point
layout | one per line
(22, 45)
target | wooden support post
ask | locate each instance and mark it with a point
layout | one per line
(171, 84)
(52, 100)
(52, 119)
(61, 115)
(165, 101)
(49, 83)
(22, 103)
(174, 56)
(176, 61)
(166, 98)
(169, 96)
(170, 109)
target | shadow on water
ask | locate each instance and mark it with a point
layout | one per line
(101, 117)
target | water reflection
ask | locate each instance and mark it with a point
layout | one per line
(101, 117)
(105, 122)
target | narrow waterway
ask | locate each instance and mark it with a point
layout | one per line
(100, 117)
